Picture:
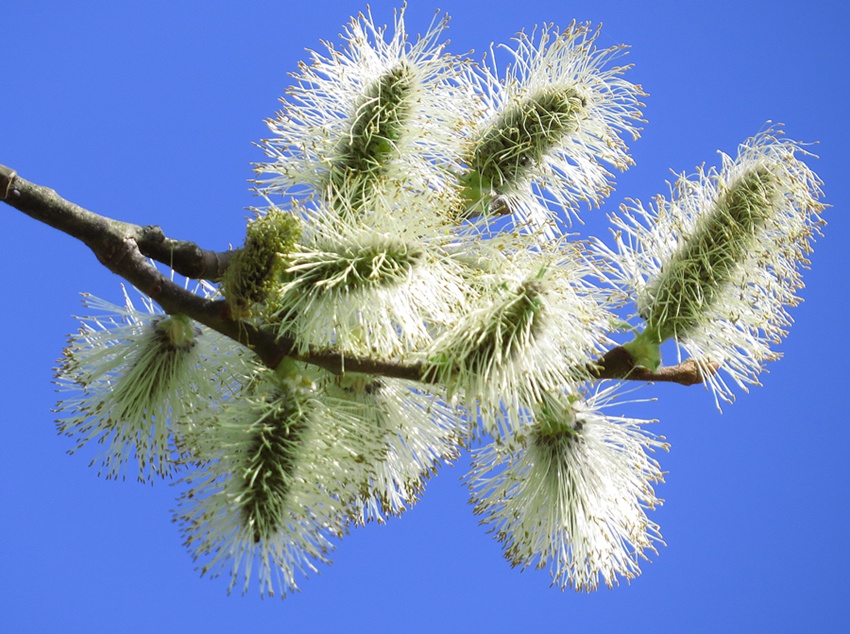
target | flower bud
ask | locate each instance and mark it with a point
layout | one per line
(250, 277)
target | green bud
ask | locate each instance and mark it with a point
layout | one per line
(555, 420)
(176, 332)
(250, 277)
(645, 350)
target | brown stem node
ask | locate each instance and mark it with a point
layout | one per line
(7, 180)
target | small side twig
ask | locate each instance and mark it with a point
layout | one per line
(617, 363)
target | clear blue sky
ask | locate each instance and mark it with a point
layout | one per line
(146, 111)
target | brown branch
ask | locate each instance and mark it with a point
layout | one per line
(118, 246)
(186, 258)
(45, 205)
(336, 363)
(124, 248)
(617, 363)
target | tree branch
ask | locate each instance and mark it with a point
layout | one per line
(45, 205)
(124, 248)
(617, 363)
(119, 247)
(186, 258)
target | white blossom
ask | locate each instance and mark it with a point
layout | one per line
(364, 291)
(715, 266)
(533, 326)
(278, 468)
(135, 377)
(571, 493)
(556, 117)
(373, 126)
(413, 432)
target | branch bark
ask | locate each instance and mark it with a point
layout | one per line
(617, 363)
(125, 248)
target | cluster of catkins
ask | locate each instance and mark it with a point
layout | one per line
(422, 202)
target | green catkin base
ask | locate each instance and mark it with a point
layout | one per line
(519, 139)
(250, 277)
(556, 428)
(378, 123)
(694, 277)
(147, 383)
(271, 460)
(555, 420)
(506, 334)
(369, 267)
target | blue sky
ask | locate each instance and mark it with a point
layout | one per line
(146, 111)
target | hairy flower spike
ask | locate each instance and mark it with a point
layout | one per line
(365, 292)
(271, 458)
(715, 267)
(509, 150)
(694, 277)
(375, 265)
(530, 329)
(374, 129)
(280, 467)
(138, 376)
(559, 113)
(512, 327)
(571, 494)
(170, 339)
(378, 123)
